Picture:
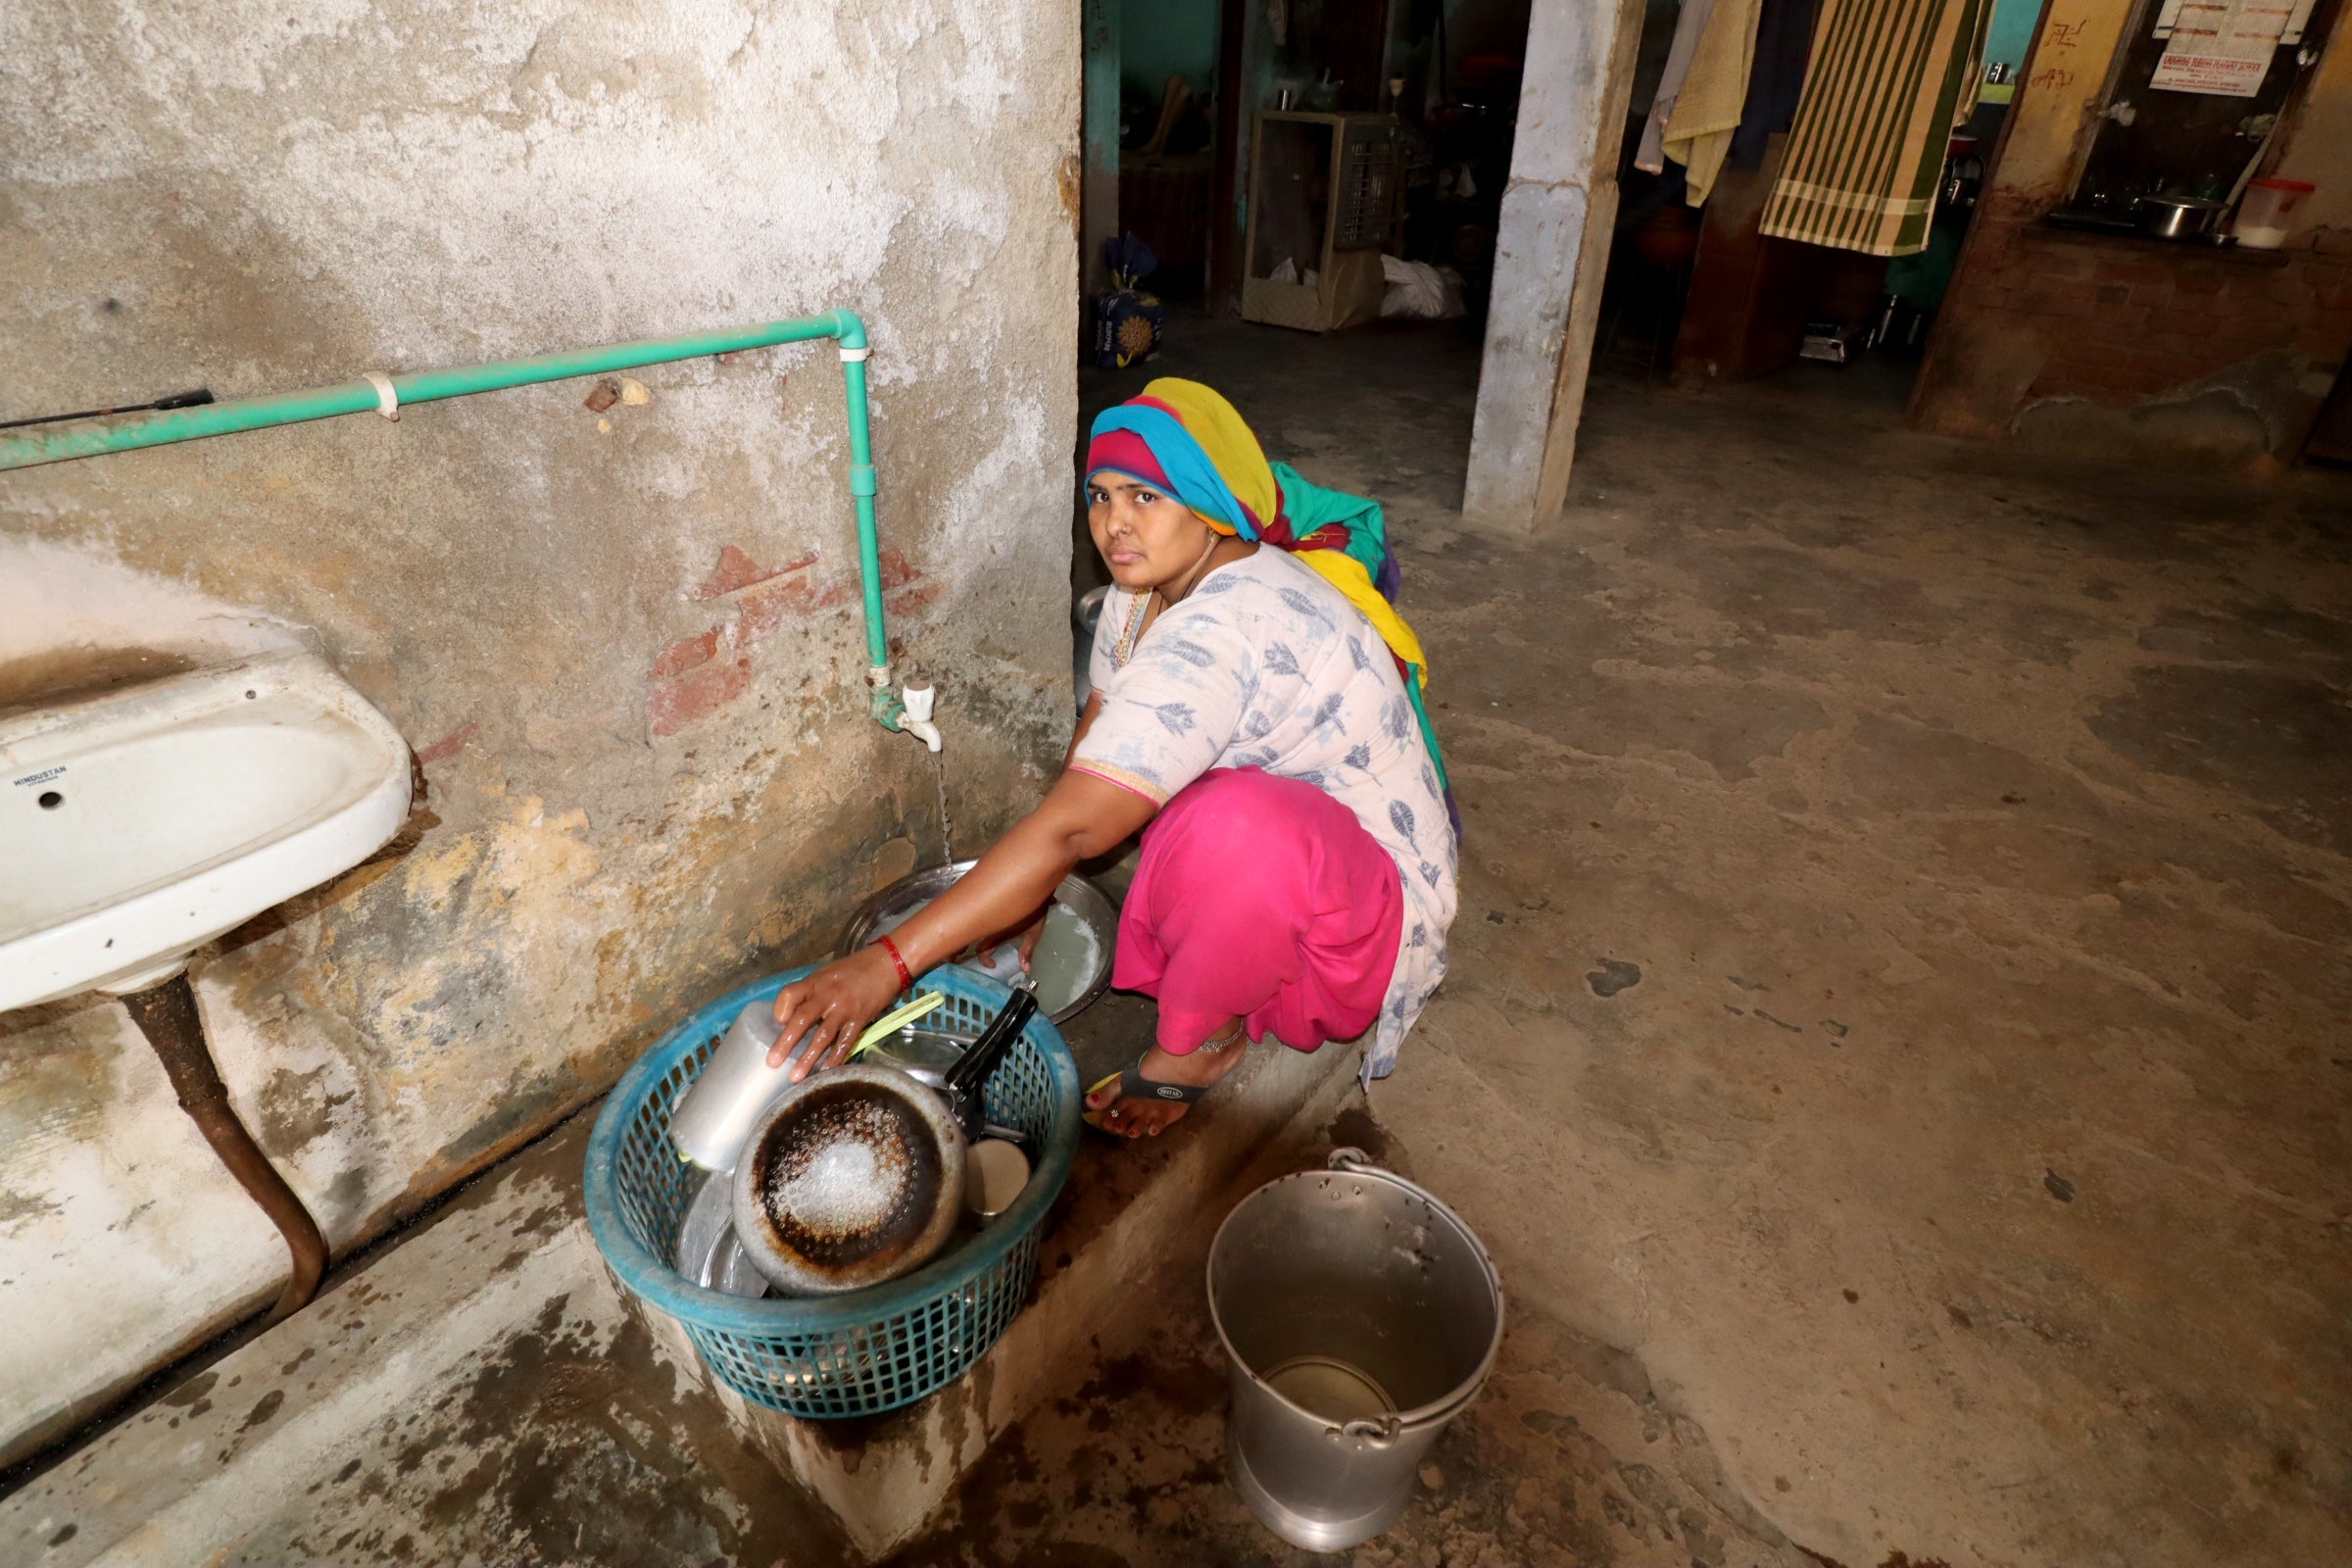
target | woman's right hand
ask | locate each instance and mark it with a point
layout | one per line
(831, 1009)
(1082, 815)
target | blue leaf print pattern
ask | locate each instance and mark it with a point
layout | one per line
(1310, 776)
(1360, 758)
(1400, 817)
(1192, 654)
(1257, 726)
(1251, 759)
(1281, 661)
(1420, 933)
(1175, 718)
(1355, 651)
(1215, 585)
(1396, 718)
(1430, 873)
(1327, 711)
(1299, 603)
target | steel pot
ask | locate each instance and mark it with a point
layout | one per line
(2180, 216)
(1359, 1315)
(1086, 611)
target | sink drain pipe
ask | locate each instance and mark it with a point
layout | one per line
(375, 393)
(167, 1016)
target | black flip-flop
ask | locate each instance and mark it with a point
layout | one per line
(1134, 1085)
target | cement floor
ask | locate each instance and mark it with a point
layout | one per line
(1896, 1018)
(1893, 1053)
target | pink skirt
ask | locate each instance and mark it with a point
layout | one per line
(1262, 898)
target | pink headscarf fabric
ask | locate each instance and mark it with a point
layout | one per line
(1263, 899)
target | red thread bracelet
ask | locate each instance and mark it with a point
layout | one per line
(906, 975)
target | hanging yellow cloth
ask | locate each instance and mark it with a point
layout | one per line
(1714, 91)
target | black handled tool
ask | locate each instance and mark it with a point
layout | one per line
(966, 1080)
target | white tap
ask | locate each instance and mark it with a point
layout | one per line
(916, 721)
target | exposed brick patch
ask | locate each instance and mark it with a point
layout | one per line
(449, 744)
(693, 676)
(907, 602)
(685, 654)
(768, 606)
(737, 571)
(673, 705)
(2126, 322)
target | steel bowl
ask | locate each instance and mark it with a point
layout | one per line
(2180, 216)
(1096, 917)
(708, 1254)
(852, 1177)
(922, 1055)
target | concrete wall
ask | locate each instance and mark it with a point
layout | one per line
(625, 646)
(2318, 144)
(2140, 351)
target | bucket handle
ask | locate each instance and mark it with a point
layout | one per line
(1380, 1434)
(1350, 1159)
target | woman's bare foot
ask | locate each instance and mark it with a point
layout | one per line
(1131, 1117)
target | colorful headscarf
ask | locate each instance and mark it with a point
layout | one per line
(1187, 440)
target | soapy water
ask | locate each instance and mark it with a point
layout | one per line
(1068, 956)
(846, 1173)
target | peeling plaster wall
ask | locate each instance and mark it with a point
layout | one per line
(2130, 349)
(625, 647)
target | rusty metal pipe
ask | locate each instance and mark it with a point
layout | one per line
(167, 1015)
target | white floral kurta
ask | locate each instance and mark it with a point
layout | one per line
(1264, 664)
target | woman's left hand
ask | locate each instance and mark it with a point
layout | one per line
(1023, 939)
(832, 1008)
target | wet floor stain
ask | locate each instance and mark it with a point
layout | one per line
(1613, 976)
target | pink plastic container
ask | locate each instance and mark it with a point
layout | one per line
(2263, 214)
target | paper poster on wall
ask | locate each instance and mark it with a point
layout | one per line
(2222, 46)
(2168, 17)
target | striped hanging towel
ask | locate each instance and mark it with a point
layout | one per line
(1888, 80)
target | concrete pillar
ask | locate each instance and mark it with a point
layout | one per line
(1099, 178)
(1551, 250)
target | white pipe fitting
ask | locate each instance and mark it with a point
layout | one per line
(916, 721)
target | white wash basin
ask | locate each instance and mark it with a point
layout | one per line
(138, 825)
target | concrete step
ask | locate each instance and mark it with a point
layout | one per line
(485, 1392)
(1126, 1210)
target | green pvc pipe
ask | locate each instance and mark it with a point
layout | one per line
(98, 437)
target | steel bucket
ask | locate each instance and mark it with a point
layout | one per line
(1359, 1315)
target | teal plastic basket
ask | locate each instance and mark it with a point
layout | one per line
(869, 1350)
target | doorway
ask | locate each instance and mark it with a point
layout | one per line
(1696, 294)
(1278, 169)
